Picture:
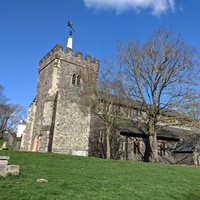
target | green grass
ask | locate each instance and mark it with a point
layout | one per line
(73, 177)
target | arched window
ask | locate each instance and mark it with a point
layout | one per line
(78, 80)
(74, 79)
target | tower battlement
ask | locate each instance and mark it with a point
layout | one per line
(49, 57)
(79, 55)
(57, 52)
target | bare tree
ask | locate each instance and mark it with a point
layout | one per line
(161, 74)
(10, 114)
(98, 144)
(102, 100)
(3, 98)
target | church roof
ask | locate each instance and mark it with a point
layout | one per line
(185, 146)
(164, 132)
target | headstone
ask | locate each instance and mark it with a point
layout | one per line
(4, 160)
(13, 169)
(3, 170)
(4, 147)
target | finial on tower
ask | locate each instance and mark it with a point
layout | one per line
(69, 42)
(70, 24)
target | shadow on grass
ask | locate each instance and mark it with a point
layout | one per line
(186, 196)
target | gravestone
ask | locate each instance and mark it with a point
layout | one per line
(4, 146)
(6, 169)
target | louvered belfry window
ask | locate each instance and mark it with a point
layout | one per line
(76, 79)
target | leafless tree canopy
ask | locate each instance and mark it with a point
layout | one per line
(10, 114)
(161, 74)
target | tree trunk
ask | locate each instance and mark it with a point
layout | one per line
(153, 143)
(101, 141)
(154, 147)
(107, 141)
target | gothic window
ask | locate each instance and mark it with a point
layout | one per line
(74, 79)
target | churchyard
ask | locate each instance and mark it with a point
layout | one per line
(53, 176)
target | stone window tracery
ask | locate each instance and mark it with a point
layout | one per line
(76, 79)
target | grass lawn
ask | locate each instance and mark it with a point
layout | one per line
(74, 177)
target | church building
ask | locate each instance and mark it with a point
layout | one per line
(57, 123)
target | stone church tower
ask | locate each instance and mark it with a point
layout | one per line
(55, 121)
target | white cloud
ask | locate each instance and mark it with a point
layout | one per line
(157, 6)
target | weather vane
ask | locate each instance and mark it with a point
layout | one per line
(70, 24)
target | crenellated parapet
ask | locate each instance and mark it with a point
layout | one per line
(85, 60)
(87, 57)
(77, 58)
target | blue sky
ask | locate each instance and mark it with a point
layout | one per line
(29, 29)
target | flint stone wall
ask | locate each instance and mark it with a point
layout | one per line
(56, 105)
(27, 135)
